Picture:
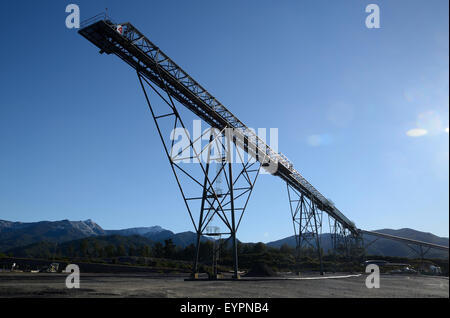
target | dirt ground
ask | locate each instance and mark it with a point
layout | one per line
(151, 285)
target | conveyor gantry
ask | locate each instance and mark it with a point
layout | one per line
(128, 43)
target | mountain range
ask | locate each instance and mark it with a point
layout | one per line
(16, 235)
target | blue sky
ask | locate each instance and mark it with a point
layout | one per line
(361, 112)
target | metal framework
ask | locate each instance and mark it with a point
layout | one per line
(125, 41)
(307, 221)
(171, 84)
(423, 247)
(199, 184)
(339, 238)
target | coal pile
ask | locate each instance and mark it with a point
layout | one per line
(261, 270)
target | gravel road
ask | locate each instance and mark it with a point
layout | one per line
(147, 285)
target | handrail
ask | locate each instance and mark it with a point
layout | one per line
(96, 18)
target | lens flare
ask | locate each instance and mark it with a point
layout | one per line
(416, 132)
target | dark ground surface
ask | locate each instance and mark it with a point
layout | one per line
(160, 285)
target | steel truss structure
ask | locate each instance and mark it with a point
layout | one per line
(343, 241)
(201, 186)
(307, 221)
(172, 85)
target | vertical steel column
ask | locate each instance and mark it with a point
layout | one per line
(319, 250)
(202, 207)
(233, 221)
(233, 225)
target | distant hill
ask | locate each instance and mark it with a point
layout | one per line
(158, 234)
(137, 231)
(18, 234)
(15, 234)
(383, 247)
(325, 240)
(184, 239)
(393, 248)
(417, 235)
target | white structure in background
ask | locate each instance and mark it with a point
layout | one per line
(435, 269)
(214, 231)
